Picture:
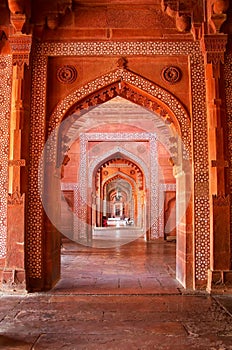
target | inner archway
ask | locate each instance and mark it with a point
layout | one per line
(116, 168)
(119, 189)
(135, 140)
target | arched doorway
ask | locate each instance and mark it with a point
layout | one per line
(176, 149)
(137, 150)
(117, 187)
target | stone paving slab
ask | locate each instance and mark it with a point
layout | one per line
(52, 321)
(123, 299)
(136, 268)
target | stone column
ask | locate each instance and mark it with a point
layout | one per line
(184, 226)
(94, 210)
(139, 213)
(98, 199)
(213, 48)
(14, 272)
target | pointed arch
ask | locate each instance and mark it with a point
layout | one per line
(121, 175)
(133, 87)
(115, 152)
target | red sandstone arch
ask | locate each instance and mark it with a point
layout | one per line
(114, 176)
(142, 92)
(132, 87)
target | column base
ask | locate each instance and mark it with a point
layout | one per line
(12, 281)
(219, 282)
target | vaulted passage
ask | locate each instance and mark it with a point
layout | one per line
(125, 174)
(127, 179)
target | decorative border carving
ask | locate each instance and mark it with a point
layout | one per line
(37, 141)
(214, 47)
(126, 81)
(15, 198)
(167, 187)
(5, 106)
(221, 201)
(68, 186)
(228, 89)
(199, 127)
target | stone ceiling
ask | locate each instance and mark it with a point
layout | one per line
(120, 111)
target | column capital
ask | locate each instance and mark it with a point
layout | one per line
(213, 47)
(21, 47)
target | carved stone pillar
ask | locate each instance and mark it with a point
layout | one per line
(20, 45)
(213, 48)
(14, 272)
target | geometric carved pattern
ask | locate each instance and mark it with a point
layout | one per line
(221, 201)
(228, 97)
(37, 139)
(201, 174)
(20, 47)
(5, 103)
(198, 119)
(68, 186)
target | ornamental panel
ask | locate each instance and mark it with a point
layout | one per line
(228, 96)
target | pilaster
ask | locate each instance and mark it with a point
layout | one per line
(213, 49)
(14, 276)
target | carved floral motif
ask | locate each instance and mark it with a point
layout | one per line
(67, 74)
(171, 74)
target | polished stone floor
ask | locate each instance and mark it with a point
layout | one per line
(124, 298)
(135, 268)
